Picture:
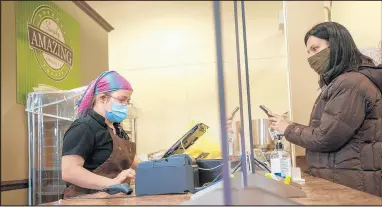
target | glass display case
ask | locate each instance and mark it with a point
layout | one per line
(50, 113)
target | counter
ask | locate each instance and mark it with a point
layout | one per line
(318, 192)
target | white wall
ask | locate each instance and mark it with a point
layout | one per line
(363, 19)
(167, 51)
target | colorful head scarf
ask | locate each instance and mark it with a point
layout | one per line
(108, 81)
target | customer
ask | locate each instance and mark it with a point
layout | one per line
(96, 152)
(344, 138)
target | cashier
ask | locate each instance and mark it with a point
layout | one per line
(343, 140)
(97, 152)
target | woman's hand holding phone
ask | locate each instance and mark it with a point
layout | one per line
(278, 123)
(229, 124)
(230, 118)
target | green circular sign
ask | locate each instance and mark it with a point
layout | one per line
(48, 39)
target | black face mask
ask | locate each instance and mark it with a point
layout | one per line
(320, 61)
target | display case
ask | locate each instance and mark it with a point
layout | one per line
(50, 113)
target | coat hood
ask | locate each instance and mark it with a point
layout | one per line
(374, 74)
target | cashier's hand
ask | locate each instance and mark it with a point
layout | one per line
(279, 123)
(125, 176)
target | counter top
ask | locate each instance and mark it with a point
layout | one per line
(323, 192)
(318, 192)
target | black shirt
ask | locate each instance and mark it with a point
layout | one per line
(89, 138)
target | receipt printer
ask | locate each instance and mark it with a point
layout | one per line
(174, 174)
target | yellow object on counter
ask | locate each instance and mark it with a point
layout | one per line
(207, 143)
(268, 175)
(273, 176)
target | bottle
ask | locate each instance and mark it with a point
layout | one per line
(231, 138)
(281, 162)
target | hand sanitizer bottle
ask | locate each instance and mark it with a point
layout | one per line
(281, 162)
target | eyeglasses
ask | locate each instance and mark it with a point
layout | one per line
(125, 103)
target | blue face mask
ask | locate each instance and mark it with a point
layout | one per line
(118, 112)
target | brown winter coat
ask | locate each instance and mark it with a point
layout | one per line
(344, 137)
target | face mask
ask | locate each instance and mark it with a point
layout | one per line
(118, 112)
(320, 61)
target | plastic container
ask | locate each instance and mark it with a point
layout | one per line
(281, 162)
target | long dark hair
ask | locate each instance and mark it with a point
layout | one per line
(344, 54)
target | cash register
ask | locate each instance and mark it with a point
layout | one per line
(175, 172)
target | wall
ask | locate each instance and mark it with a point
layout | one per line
(362, 18)
(14, 138)
(300, 17)
(167, 51)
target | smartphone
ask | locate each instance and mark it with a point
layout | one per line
(233, 113)
(266, 110)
